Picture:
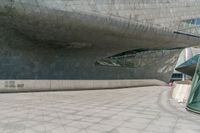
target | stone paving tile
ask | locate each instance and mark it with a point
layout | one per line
(186, 131)
(133, 110)
(156, 128)
(124, 130)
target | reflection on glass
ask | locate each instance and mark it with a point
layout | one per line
(194, 98)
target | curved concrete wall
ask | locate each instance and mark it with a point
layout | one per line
(23, 59)
(62, 39)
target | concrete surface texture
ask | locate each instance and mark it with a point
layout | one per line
(23, 60)
(56, 85)
(62, 39)
(133, 110)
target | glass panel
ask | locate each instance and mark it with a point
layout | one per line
(191, 26)
(138, 58)
(194, 98)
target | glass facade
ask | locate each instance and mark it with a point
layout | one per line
(193, 21)
(137, 58)
(191, 27)
(194, 98)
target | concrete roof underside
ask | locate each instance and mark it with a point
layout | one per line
(107, 24)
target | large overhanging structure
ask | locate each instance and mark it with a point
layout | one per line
(76, 39)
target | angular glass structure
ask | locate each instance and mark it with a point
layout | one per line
(194, 98)
(189, 66)
(190, 27)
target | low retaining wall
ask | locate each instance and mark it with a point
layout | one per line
(56, 85)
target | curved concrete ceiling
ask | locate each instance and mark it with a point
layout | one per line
(112, 24)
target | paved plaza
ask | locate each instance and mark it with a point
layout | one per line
(132, 110)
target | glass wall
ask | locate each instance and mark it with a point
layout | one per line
(191, 26)
(194, 98)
